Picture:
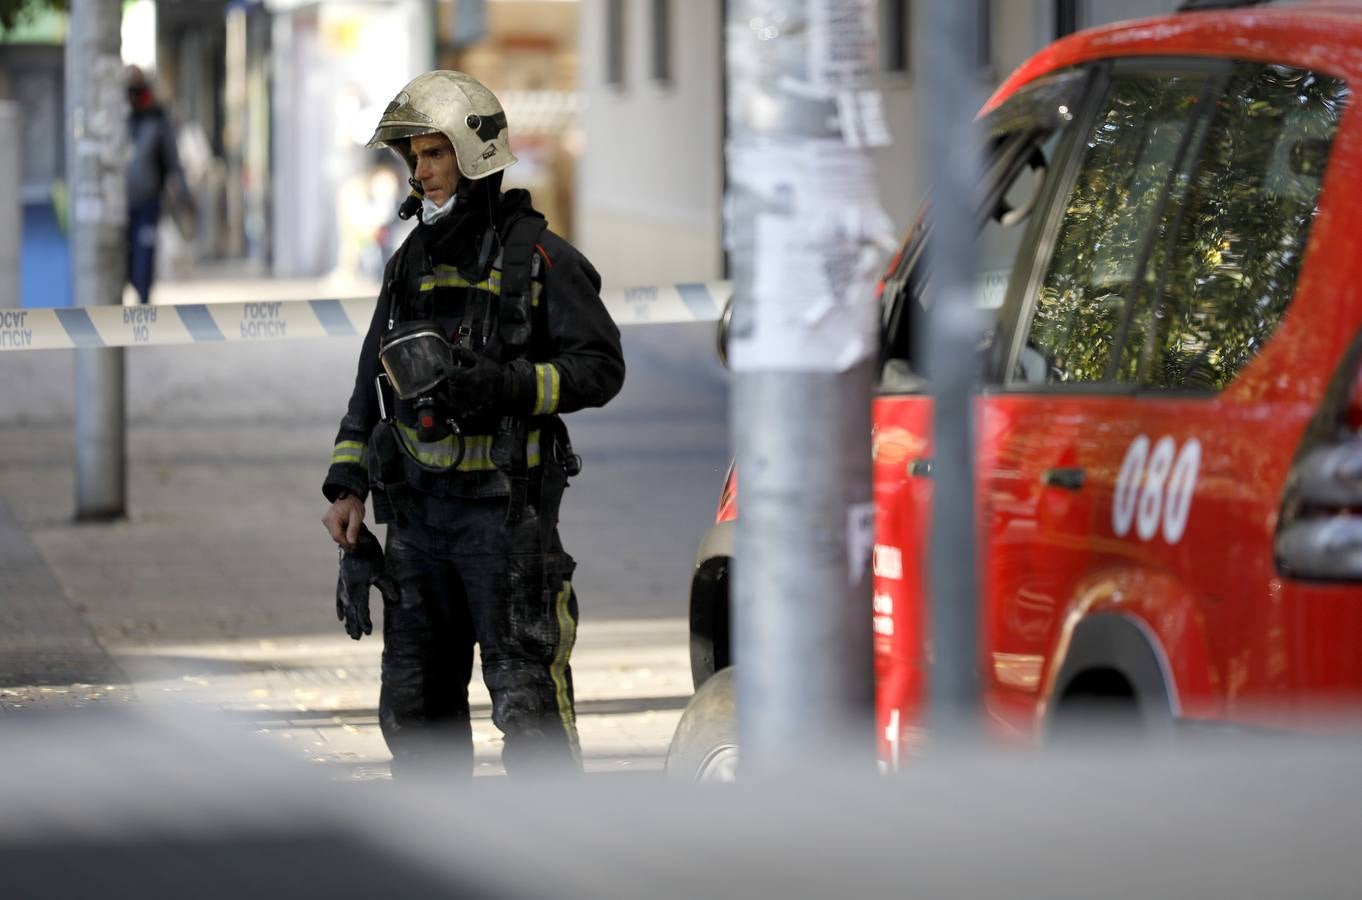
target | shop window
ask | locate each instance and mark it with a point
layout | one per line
(1066, 17)
(895, 40)
(983, 47)
(662, 41)
(614, 43)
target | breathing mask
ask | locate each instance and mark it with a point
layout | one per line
(417, 358)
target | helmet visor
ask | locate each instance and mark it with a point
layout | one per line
(388, 132)
(416, 357)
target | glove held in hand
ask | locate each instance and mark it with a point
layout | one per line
(360, 568)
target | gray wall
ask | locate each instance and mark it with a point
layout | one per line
(650, 175)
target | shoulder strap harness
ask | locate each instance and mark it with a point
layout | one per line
(519, 268)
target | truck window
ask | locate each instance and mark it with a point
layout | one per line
(1238, 239)
(1127, 167)
(1022, 136)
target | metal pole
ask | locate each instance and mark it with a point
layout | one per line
(803, 228)
(11, 208)
(96, 159)
(949, 79)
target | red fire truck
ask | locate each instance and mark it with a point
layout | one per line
(1169, 465)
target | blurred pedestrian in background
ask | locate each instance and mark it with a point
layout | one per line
(155, 163)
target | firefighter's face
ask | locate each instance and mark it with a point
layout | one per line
(436, 166)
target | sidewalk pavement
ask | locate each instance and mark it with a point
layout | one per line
(50, 655)
(318, 695)
(217, 592)
(218, 589)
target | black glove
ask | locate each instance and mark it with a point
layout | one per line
(360, 568)
(477, 382)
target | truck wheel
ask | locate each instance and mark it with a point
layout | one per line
(705, 746)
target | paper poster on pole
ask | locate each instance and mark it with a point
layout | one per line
(841, 44)
(860, 540)
(819, 244)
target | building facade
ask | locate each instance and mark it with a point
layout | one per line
(651, 171)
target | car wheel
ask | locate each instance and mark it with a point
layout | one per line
(705, 746)
(1100, 708)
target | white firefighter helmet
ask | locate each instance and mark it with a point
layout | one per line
(457, 106)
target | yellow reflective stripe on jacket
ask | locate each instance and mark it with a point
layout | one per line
(349, 452)
(448, 276)
(477, 450)
(546, 388)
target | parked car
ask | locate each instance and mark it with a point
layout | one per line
(1169, 462)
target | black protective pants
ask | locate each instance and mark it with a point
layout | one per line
(143, 219)
(471, 578)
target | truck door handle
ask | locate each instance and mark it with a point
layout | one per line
(1068, 479)
(920, 468)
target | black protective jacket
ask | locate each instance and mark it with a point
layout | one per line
(154, 158)
(573, 359)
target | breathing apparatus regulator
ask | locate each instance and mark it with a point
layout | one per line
(417, 360)
(410, 205)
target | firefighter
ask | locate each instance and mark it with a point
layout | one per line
(488, 327)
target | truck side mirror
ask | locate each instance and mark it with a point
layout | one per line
(721, 332)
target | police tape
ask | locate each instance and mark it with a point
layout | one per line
(190, 323)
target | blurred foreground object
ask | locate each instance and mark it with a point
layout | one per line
(953, 329)
(803, 228)
(189, 808)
